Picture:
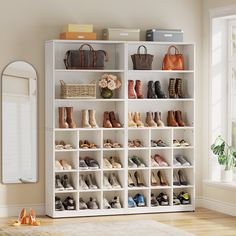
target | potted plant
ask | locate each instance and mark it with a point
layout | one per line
(226, 155)
(107, 84)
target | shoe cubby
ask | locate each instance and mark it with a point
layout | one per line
(92, 137)
(179, 191)
(63, 197)
(188, 174)
(143, 178)
(93, 155)
(139, 139)
(145, 193)
(166, 178)
(188, 154)
(70, 158)
(96, 180)
(143, 155)
(165, 154)
(111, 197)
(67, 137)
(115, 136)
(120, 177)
(161, 134)
(162, 201)
(186, 135)
(88, 196)
(118, 157)
(72, 180)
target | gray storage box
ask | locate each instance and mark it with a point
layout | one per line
(121, 34)
(164, 35)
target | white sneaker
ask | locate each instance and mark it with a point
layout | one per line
(106, 183)
(106, 164)
(106, 204)
(65, 165)
(82, 184)
(176, 163)
(114, 182)
(58, 165)
(154, 163)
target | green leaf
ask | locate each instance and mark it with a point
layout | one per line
(222, 159)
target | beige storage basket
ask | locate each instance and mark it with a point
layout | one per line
(78, 90)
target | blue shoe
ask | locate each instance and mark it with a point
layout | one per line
(131, 202)
(139, 199)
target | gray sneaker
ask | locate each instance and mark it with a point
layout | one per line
(113, 181)
(90, 182)
(115, 203)
(58, 185)
(92, 204)
(82, 165)
(182, 160)
(82, 184)
(131, 164)
(82, 204)
(91, 163)
(154, 201)
(65, 183)
(106, 204)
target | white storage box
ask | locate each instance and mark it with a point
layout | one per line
(121, 34)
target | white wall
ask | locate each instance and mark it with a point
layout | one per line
(26, 24)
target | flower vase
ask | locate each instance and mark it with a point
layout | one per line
(106, 93)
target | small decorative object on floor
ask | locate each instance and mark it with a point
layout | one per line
(23, 219)
(107, 84)
(226, 157)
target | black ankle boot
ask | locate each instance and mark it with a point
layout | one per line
(159, 92)
(151, 90)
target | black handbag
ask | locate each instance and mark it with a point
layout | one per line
(142, 61)
(85, 59)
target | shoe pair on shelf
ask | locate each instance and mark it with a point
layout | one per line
(158, 143)
(154, 90)
(92, 204)
(176, 88)
(159, 179)
(162, 199)
(62, 165)
(134, 120)
(111, 182)
(66, 117)
(111, 163)
(154, 119)
(62, 184)
(110, 121)
(174, 119)
(85, 144)
(88, 163)
(135, 162)
(135, 143)
(88, 119)
(182, 198)
(180, 143)
(87, 182)
(157, 160)
(137, 201)
(179, 178)
(135, 180)
(180, 160)
(61, 145)
(114, 203)
(109, 144)
(135, 91)
(68, 204)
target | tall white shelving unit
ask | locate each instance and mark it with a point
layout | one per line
(120, 64)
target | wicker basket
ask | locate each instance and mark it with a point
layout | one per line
(78, 90)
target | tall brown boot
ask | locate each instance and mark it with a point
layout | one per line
(178, 117)
(62, 122)
(171, 119)
(137, 119)
(85, 119)
(131, 122)
(149, 120)
(171, 88)
(138, 89)
(131, 91)
(92, 120)
(158, 120)
(179, 88)
(106, 120)
(69, 117)
(113, 120)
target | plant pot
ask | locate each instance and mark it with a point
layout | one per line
(106, 93)
(227, 176)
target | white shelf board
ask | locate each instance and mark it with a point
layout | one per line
(160, 148)
(161, 168)
(113, 189)
(66, 171)
(89, 190)
(160, 187)
(162, 128)
(89, 149)
(66, 150)
(113, 149)
(162, 100)
(61, 101)
(141, 168)
(66, 191)
(179, 148)
(161, 71)
(89, 71)
(113, 169)
(182, 186)
(87, 129)
(138, 188)
(183, 167)
(90, 170)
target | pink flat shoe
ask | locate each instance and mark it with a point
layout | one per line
(160, 160)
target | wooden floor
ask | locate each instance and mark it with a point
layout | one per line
(201, 222)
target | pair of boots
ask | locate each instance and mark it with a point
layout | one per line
(176, 88)
(110, 121)
(135, 91)
(174, 118)
(66, 117)
(88, 119)
(154, 120)
(134, 120)
(154, 90)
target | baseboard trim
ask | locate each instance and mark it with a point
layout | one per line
(14, 210)
(216, 205)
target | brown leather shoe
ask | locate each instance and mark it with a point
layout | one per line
(138, 89)
(113, 120)
(62, 122)
(178, 117)
(69, 117)
(131, 91)
(106, 120)
(171, 119)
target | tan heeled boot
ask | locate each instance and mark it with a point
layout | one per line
(92, 120)
(149, 120)
(131, 91)
(69, 117)
(106, 120)
(131, 122)
(158, 120)
(85, 119)
(137, 119)
(62, 122)
(138, 89)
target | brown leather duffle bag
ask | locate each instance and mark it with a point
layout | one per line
(85, 59)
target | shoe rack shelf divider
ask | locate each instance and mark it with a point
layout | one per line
(120, 64)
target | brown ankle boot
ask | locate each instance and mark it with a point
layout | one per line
(149, 120)
(171, 119)
(137, 119)
(157, 119)
(178, 117)
(131, 122)
(179, 88)
(69, 117)
(113, 120)
(171, 88)
(62, 122)
(131, 91)
(138, 89)
(92, 120)
(106, 120)
(85, 119)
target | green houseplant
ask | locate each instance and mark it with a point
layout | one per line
(226, 155)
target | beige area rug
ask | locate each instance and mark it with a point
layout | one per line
(120, 228)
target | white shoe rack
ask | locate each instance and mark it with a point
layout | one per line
(120, 64)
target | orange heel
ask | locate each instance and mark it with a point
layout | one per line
(32, 218)
(21, 219)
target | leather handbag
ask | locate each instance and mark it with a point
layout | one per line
(173, 61)
(142, 61)
(85, 59)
